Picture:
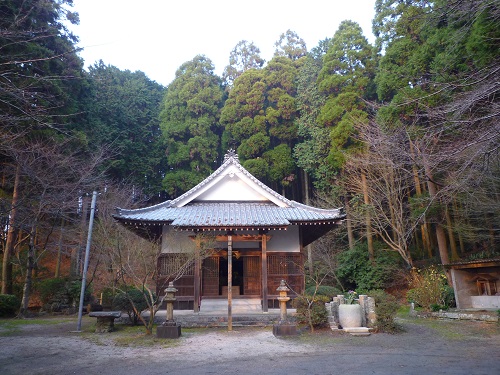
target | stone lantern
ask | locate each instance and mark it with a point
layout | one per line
(284, 326)
(169, 329)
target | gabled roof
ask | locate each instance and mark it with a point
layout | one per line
(231, 198)
(231, 169)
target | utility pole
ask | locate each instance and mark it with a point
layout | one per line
(86, 263)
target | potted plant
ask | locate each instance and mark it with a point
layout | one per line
(350, 312)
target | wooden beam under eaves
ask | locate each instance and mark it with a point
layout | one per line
(239, 238)
(243, 238)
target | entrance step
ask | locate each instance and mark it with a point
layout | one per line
(238, 306)
(358, 331)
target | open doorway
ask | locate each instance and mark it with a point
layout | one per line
(237, 277)
(246, 276)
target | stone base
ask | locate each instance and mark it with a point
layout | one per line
(105, 325)
(358, 331)
(284, 329)
(168, 332)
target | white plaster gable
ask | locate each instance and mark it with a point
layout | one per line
(231, 189)
(231, 183)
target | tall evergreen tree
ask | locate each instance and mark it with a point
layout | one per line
(122, 110)
(189, 121)
(259, 118)
(290, 45)
(314, 146)
(244, 56)
(346, 78)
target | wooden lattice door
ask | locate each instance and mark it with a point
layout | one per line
(210, 276)
(251, 275)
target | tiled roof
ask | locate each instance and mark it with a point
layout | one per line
(188, 212)
(472, 262)
(230, 214)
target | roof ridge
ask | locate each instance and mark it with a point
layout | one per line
(316, 209)
(167, 204)
(227, 160)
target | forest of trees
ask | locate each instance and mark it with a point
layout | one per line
(404, 134)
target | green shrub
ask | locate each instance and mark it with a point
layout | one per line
(125, 301)
(9, 304)
(108, 294)
(386, 308)
(74, 288)
(311, 310)
(323, 290)
(51, 289)
(60, 293)
(429, 289)
(449, 297)
(357, 272)
(435, 307)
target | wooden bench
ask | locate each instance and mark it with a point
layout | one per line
(105, 320)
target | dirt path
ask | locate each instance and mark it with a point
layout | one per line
(437, 347)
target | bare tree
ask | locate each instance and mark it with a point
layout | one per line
(124, 260)
(38, 64)
(387, 169)
(49, 175)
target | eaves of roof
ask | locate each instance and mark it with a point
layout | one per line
(476, 263)
(231, 214)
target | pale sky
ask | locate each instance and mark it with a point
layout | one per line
(158, 36)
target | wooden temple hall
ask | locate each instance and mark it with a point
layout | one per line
(230, 234)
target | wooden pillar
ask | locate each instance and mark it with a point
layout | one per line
(229, 282)
(263, 245)
(197, 279)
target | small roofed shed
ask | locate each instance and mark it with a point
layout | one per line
(476, 283)
(258, 237)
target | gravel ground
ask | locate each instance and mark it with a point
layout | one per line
(425, 347)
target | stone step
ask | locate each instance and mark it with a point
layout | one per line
(238, 306)
(220, 321)
(358, 331)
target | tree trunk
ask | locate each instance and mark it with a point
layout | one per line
(389, 184)
(451, 236)
(350, 232)
(440, 234)
(308, 247)
(426, 238)
(77, 253)
(460, 237)
(59, 250)
(30, 265)
(11, 236)
(369, 235)
(424, 228)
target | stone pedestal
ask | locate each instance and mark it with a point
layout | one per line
(105, 325)
(165, 331)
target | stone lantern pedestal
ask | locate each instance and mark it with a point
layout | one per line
(284, 326)
(169, 329)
